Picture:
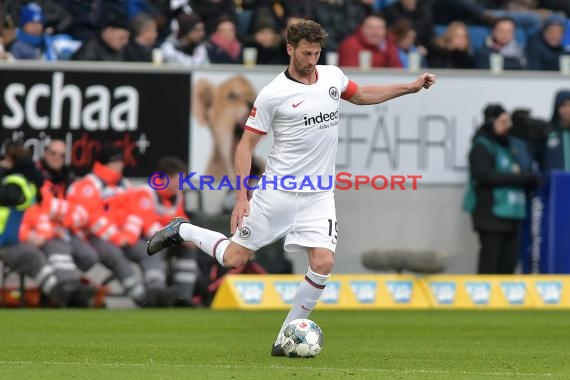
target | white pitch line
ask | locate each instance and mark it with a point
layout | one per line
(280, 367)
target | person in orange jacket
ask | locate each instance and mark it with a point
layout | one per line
(115, 231)
(56, 214)
(19, 184)
(157, 207)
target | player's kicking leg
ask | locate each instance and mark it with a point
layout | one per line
(215, 244)
(321, 261)
(267, 208)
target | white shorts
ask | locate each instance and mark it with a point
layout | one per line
(307, 220)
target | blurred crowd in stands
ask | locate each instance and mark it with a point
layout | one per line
(463, 34)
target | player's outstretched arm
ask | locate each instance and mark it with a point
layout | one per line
(376, 94)
(244, 154)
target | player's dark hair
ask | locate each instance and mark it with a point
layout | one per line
(171, 165)
(306, 30)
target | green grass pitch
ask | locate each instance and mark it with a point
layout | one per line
(206, 344)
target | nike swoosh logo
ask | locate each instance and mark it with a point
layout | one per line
(298, 104)
(303, 307)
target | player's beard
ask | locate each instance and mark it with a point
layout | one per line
(303, 71)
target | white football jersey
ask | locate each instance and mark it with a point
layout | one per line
(304, 119)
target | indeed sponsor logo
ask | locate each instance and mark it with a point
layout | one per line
(320, 118)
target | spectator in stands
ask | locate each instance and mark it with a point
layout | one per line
(223, 45)
(60, 216)
(282, 51)
(211, 11)
(30, 42)
(418, 12)
(275, 12)
(557, 149)
(267, 42)
(497, 193)
(108, 45)
(452, 50)
(556, 5)
(524, 13)
(162, 12)
(502, 41)
(20, 182)
(545, 48)
(186, 44)
(37, 233)
(340, 19)
(90, 16)
(143, 37)
(405, 37)
(114, 228)
(56, 18)
(446, 11)
(8, 30)
(370, 36)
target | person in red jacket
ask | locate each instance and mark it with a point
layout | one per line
(371, 36)
(57, 214)
(115, 230)
(157, 207)
(57, 278)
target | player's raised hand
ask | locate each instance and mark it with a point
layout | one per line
(241, 209)
(425, 80)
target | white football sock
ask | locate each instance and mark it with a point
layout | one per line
(211, 242)
(306, 298)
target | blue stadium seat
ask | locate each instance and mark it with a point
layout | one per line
(478, 34)
(521, 37)
(378, 5)
(440, 29)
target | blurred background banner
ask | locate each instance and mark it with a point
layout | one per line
(342, 292)
(387, 291)
(145, 113)
(428, 134)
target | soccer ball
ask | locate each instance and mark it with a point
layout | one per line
(302, 338)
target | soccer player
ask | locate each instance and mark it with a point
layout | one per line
(301, 105)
